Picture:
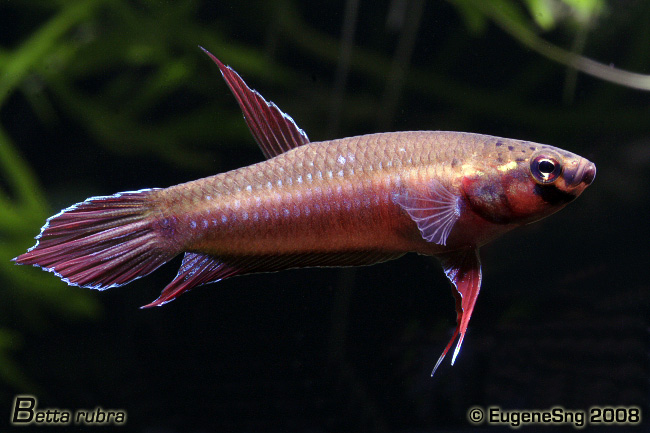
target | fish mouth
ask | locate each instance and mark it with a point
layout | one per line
(580, 172)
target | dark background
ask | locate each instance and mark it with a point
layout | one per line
(106, 96)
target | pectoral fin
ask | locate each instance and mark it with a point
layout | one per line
(463, 268)
(435, 210)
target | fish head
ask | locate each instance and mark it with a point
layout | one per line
(531, 182)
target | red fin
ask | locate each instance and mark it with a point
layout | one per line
(274, 131)
(434, 211)
(196, 270)
(463, 268)
(199, 269)
(100, 243)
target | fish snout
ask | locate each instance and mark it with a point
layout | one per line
(589, 174)
(582, 171)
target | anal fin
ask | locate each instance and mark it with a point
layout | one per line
(463, 268)
(198, 269)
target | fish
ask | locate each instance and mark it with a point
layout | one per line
(345, 202)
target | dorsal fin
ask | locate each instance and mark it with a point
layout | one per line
(274, 131)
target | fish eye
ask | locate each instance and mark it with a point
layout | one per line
(545, 169)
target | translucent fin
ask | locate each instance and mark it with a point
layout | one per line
(463, 268)
(199, 269)
(274, 131)
(102, 242)
(196, 270)
(435, 210)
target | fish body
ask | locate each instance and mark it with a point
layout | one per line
(336, 196)
(345, 202)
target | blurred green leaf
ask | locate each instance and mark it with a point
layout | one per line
(585, 11)
(508, 15)
(542, 12)
(474, 20)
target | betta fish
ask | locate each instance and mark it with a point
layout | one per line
(347, 202)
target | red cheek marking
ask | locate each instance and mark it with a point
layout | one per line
(522, 199)
(486, 198)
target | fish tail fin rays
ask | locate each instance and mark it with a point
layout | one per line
(102, 242)
(463, 268)
(275, 131)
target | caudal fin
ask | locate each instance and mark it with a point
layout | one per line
(102, 242)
